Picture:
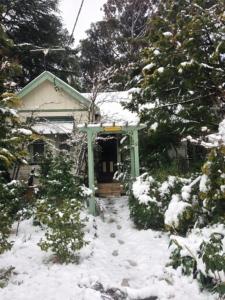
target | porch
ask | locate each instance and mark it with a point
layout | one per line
(101, 179)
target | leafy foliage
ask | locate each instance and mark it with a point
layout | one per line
(182, 80)
(59, 208)
(212, 191)
(148, 206)
(65, 235)
(109, 54)
(207, 263)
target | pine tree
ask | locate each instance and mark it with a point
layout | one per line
(13, 136)
(35, 24)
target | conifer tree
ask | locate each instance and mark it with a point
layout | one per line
(13, 136)
(35, 24)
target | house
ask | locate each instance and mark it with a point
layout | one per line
(54, 109)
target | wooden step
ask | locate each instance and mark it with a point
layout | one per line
(113, 189)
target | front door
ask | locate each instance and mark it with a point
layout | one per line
(107, 161)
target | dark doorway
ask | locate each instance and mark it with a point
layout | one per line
(107, 158)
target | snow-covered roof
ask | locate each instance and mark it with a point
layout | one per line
(111, 109)
(53, 127)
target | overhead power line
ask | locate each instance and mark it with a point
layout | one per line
(72, 33)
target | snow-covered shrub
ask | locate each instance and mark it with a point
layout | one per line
(145, 210)
(59, 207)
(56, 179)
(202, 255)
(12, 196)
(64, 233)
(184, 208)
(212, 185)
(149, 200)
(12, 202)
(178, 215)
(5, 228)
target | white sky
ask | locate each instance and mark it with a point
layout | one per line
(90, 13)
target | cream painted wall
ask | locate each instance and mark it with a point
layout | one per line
(45, 97)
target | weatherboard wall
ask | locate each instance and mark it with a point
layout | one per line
(48, 100)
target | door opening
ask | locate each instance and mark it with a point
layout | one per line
(107, 158)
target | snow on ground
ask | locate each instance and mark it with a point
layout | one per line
(119, 257)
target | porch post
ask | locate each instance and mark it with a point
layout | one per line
(132, 157)
(136, 153)
(91, 179)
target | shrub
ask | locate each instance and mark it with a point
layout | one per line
(12, 204)
(149, 200)
(5, 228)
(64, 235)
(59, 208)
(202, 255)
(212, 186)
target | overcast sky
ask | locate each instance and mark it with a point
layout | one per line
(90, 13)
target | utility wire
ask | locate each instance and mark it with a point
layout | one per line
(72, 33)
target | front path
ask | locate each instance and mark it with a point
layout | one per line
(118, 257)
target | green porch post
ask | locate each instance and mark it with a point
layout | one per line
(136, 153)
(91, 178)
(132, 156)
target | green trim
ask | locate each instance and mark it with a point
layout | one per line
(46, 75)
(52, 110)
(123, 129)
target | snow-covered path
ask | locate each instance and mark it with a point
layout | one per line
(119, 256)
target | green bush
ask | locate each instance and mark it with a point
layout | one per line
(146, 216)
(12, 206)
(5, 228)
(59, 207)
(64, 229)
(204, 261)
(149, 200)
(212, 186)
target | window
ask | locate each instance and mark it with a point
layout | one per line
(37, 150)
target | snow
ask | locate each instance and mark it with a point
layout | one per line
(186, 192)
(141, 260)
(167, 34)
(149, 67)
(148, 105)
(213, 140)
(175, 209)
(203, 187)
(141, 188)
(222, 57)
(23, 131)
(187, 63)
(156, 52)
(111, 108)
(161, 70)
(154, 126)
(51, 127)
(190, 244)
(134, 90)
